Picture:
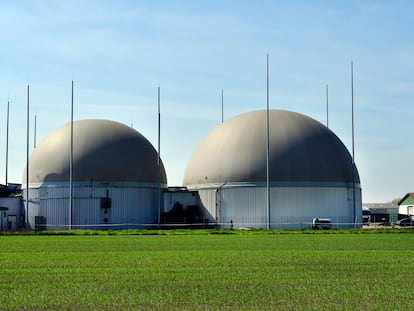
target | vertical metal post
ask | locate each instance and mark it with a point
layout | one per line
(7, 142)
(267, 144)
(353, 144)
(71, 163)
(327, 107)
(27, 159)
(158, 160)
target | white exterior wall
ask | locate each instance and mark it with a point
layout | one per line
(184, 198)
(290, 207)
(133, 205)
(208, 203)
(406, 210)
(245, 207)
(10, 219)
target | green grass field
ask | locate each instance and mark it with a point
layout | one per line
(204, 271)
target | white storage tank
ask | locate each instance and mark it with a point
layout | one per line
(115, 178)
(311, 173)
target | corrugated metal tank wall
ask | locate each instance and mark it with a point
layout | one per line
(208, 199)
(245, 207)
(131, 206)
(290, 207)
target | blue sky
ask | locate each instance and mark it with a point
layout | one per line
(119, 52)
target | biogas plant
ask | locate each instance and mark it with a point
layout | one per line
(270, 169)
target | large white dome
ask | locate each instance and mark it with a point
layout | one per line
(301, 150)
(102, 151)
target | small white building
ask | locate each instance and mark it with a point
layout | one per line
(311, 173)
(115, 179)
(10, 207)
(406, 205)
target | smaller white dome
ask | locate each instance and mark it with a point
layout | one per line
(102, 151)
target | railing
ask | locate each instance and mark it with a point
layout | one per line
(227, 225)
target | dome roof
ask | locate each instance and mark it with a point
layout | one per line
(300, 150)
(102, 151)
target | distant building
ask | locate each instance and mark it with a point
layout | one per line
(381, 212)
(406, 205)
(10, 207)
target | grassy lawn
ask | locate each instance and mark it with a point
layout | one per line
(372, 271)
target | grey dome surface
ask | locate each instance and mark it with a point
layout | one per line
(301, 150)
(102, 151)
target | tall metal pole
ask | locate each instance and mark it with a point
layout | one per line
(7, 142)
(158, 160)
(71, 163)
(353, 142)
(27, 159)
(327, 107)
(222, 106)
(267, 144)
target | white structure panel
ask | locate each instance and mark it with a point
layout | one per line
(208, 203)
(290, 207)
(132, 206)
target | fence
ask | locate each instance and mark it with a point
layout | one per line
(198, 225)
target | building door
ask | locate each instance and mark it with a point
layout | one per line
(410, 210)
